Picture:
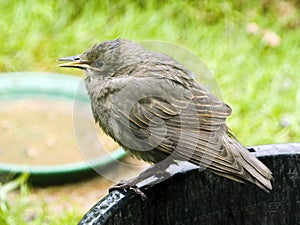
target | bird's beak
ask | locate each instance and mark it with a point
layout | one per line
(74, 62)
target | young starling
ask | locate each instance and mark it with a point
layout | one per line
(151, 105)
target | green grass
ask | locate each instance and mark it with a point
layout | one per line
(261, 83)
(24, 209)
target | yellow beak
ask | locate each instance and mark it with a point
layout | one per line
(74, 62)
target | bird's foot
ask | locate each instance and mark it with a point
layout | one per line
(156, 172)
(127, 185)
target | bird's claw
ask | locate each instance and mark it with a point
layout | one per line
(125, 187)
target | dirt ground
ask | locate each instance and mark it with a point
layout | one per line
(81, 195)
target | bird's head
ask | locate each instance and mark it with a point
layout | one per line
(102, 59)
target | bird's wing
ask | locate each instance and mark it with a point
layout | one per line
(173, 119)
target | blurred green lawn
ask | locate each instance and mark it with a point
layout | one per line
(258, 80)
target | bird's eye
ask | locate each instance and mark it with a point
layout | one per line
(98, 63)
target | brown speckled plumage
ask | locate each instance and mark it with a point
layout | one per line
(151, 105)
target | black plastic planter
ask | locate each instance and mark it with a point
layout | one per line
(193, 197)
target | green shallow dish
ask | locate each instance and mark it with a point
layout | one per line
(58, 87)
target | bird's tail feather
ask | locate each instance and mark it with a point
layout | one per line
(253, 170)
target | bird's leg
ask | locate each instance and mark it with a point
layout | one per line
(151, 176)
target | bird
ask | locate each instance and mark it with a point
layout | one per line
(151, 105)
